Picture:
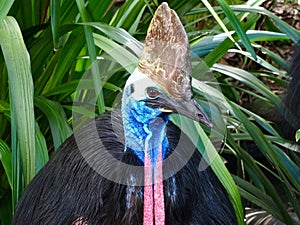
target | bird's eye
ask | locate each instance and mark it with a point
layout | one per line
(152, 93)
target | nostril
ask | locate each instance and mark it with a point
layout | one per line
(200, 115)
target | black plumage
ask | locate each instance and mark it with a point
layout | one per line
(68, 189)
(292, 99)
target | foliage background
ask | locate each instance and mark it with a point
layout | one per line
(47, 46)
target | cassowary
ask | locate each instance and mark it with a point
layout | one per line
(292, 99)
(96, 179)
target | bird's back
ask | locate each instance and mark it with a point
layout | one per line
(292, 99)
(69, 189)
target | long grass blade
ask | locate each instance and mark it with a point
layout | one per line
(55, 6)
(66, 58)
(120, 54)
(237, 26)
(286, 28)
(260, 61)
(219, 21)
(127, 14)
(247, 78)
(268, 152)
(253, 194)
(206, 44)
(93, 56)
(119, 35)
(208, 151)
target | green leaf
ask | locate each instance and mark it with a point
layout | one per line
(66, 57)
(291, 170)
(218, 52)
(208, 151)
(93, 56)
(120, 54)
(260, 61)
(5, 108)
(70, 87)
(127, 14)
(267, 150)
(6, 159)
(253, 194)
(4, 8)
(250, 80)
(218, 19)
(206, 44)
(263, 182)
(182, 7)
(289, 30)
(237, 26)
(297, 135)
(42, 156)
(81, 110)
(119, 35)
(57, 120)
(55, 6)
(100, 10)
(21, 91)
(282, 63)
(17, 176)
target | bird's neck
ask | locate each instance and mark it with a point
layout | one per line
(144, 129)
(145, 134)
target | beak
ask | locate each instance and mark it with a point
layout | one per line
(190, 109)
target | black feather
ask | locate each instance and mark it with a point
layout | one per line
(68, 189)
(292, 99)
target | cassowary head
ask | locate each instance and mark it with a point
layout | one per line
(161, 84)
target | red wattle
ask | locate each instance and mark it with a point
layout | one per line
(159, 203)
(148, 191)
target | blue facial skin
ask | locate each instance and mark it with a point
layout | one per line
(144, 126)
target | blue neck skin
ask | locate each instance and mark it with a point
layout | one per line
(144, 126)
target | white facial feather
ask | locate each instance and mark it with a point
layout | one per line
(140, 82)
